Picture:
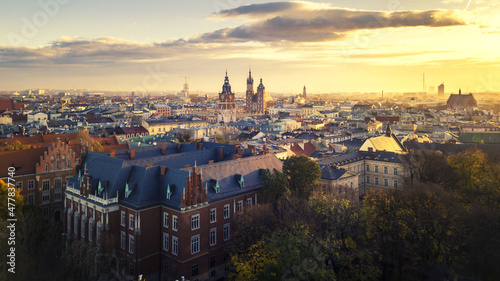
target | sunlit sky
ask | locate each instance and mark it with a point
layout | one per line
(329, 46)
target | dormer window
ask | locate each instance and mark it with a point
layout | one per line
(169, 192)
(241, 180)
(127, 190)
(217, 187)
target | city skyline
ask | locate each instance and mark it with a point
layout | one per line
(341, 46)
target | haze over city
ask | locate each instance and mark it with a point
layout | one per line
(332, 46)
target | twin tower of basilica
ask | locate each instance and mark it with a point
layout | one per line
(255, 103)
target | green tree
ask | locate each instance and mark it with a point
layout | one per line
(274, 186)
(303, 174)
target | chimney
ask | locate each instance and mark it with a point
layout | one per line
(221, 156)
(179, 145)
(163, 170)
(112, 153)
(132, 153)
(163, 150)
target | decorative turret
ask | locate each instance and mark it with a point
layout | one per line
(388, 131)
(261, 86)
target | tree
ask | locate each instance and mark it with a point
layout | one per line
(184, 137)
(417, 232)
(303, 174)
(17, 145)
(9, 191)
(87, 142)
(274, 186)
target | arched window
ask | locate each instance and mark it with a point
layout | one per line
(52, 163)
(58, 160)
(63, 161)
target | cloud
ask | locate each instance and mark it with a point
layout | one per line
(274, 25)
(312, 22)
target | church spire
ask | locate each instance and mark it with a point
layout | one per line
(388, 131)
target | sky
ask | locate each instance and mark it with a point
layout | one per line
(328, 46)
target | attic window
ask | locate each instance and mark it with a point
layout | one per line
(127, 190)
(100, 188)
(169, 192)
(217, 187)
(241, 180)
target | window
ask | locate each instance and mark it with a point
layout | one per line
(69, 164)
(376, 169)
(174, 223)
(386, 170)
(31, 184)
(195, 222)
(91, 233)
(131, 222)
(213, 215)
(175, 245)
(46, 191)
(58, 184)
(386, 182)
(227, 213)
(82, 231)
(31, 198)
(19, 185)
(367, 179)
(396, 183)
(376, 181)
(396, 171)
(123, 218)
(123, 243)
(130, 244)
(75, 229)
(165, 241)
(212, 261)
(226, 234)
(249, 203)
(240, 206)
(195, 244)
(69, 222)
(165, 219)
(46, 167)
(367, 168)
(213, 236)
(98, 233)
(194, 270)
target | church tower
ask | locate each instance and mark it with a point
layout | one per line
(260, 97)
(249, 94)
(226, 104)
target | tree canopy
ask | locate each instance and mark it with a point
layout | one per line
(303, 174)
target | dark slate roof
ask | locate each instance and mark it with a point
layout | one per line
(353, 143)
(331, 173)
(226, 173)
(149, 188)
(344, 159)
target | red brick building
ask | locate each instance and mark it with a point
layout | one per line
(171, 208)
(41, 175)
